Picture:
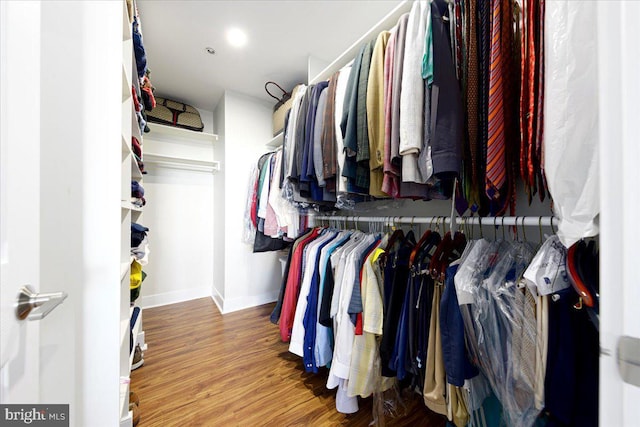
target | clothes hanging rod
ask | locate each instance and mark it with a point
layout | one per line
(537, 221)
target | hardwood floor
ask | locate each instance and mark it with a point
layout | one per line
(205, 369)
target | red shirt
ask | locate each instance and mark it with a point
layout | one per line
(292, 288)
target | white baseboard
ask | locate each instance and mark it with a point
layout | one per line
(148, 301)
(218, 299)
(234, 304)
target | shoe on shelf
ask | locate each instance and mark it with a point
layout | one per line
(133, 398)
(137, 358)
(134, 406)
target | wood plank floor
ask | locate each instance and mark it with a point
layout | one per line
(205, 369)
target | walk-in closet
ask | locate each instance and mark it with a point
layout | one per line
(319, 213)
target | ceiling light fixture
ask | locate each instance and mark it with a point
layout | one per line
(210, 50)
(236, 37)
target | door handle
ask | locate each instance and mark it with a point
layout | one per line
(35, 306)
(629, 359)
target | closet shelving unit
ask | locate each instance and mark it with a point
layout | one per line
(129, 213)
(276, 141)
(181, 133)
(177, 148)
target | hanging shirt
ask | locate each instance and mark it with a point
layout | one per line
(289, 137)
(271, 222)
(323, 345)
(341, 90)
(263, 188)
(317, 138)
(412, 94)
(447, 122)
(293, 288)
(375, 115)
(310, 267)
(365, 368)
(391, 176)
(344, 328)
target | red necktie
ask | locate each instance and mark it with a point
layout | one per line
(496, 170)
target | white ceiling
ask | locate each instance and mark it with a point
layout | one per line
(282, 36)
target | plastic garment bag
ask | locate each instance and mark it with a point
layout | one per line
(248, 222)
(500, 324)
(548, 273)
(571, 117)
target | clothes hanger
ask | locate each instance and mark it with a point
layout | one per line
(430, 245)
(423, 240)
(495, 229)
(449, 249)
(540, 228)
(397, 234)
(582, 270)
(434, 264)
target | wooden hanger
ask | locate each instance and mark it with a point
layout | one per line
(582, 271)
(423, 241)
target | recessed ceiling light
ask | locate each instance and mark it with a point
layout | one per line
(236, 37)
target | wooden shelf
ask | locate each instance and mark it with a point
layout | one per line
(124, 337)
(182, 162)
(128, 205)
(276, 141)
(135, 127)
(124, 269)
(135, 170)
(182, 133)
(126, 85)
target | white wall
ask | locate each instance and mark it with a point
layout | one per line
(218, 208)
(207, 120)
(249, 279)
(195, 218)
(179, 215)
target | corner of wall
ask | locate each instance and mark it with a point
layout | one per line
(242, 279)
(219, 232)
(207, 120)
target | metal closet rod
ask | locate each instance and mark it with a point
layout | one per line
(537, 221)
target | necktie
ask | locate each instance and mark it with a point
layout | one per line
(484, 41)
(472, 97)
(531, 94)
(524, 66)
(510, 67)
(457, 13)
(540, 102)
(496, 170)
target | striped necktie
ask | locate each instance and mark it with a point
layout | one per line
(496, 170)
(473, 98)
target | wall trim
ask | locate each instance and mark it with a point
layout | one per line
(167, 298)
(218, 299)
(230, 305)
